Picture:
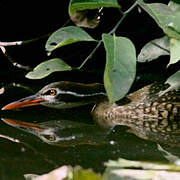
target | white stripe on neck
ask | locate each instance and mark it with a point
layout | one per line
(81, 95)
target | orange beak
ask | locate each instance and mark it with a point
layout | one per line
(26, 125)
(28, 101)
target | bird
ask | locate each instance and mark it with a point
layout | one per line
(146, 107)
(62, 95)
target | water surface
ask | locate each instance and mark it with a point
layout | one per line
(35, 140)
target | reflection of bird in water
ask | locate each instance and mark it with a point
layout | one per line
(63, 132)
(144, 110)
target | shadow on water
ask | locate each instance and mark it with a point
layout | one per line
(38, 139)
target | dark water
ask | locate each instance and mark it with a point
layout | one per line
(35, 140)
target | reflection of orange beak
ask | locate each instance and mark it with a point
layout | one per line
(28, 101)
(22, 124)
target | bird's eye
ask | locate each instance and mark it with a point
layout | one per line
(51, 92)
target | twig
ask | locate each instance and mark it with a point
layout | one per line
(14, 63)
(14, 84)
(123, 17)
(15, 43)
(90, 55)
(9, 138)
(111, 32)
(18, 43)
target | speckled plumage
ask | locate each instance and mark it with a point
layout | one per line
(144, 107)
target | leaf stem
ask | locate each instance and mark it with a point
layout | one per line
(123, 17)
(90, 55)
(111, 32)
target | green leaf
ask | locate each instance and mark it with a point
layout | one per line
(174, 6)
(30, 176)
(65, 36)
(48, 67)
(83, 174)
(123, 163)
(165, 17)
(120, 66)
(174, 50)
(79, 5)
(173, 81)
(86, 13)
(66, 173)
(86, 18)
(153, 49)
(136, 170)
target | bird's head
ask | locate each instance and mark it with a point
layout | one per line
(62, 95)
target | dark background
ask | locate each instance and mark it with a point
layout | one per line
(24, 20)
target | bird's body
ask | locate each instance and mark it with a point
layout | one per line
(146, 113)
(144, 107)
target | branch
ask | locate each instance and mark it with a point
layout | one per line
(9, 138)
(13, 62)
(15, 43)
(123, 17)
(111, 32)
(18, 43)
(90, 55)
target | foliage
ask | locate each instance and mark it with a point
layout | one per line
(46, 68)
(173, 81)
(119, 72)
(121, 58)
(120, 55)
(65, 36)
(77, 5)
(115, 170)
(78, 10)
(153, 49)
(167, 17)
